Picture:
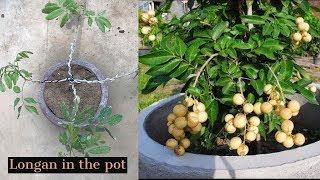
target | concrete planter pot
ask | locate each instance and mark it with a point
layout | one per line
(94, 70)
(156, 161)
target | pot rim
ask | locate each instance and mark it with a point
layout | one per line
(93, 69)
(159, 153)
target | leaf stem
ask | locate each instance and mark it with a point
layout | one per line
(278, 83)
(202, 68)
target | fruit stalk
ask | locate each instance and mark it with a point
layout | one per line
(202, 68)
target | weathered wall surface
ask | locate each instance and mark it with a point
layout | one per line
(23, 27)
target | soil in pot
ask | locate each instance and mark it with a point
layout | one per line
(56, 93)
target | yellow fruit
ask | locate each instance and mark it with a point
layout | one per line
(203, 116)
(193, 119)
(280, 136)
(180, 110)
(189, 101)
(235, 142)
(180, 122)
(268, 89)
(201, 107)
(285, 113)
(251, 136)
(299, 139)
(257, 108)
(177, 132)
(294, 106)
(288, 143)
(307, 38)
(145, 30)
(178, 138)
(170, 128)
(228, 117)
(153, 20)
(240, 121)
(196, 129)
(169, 123)
(144, 17)
(287, 126)
(243, 150)
(238, 99)
(229, 127)
(179, 150)
(171, 117)
(313, 89)
(281, 103)
(303, 26)
(254, 129)
(295, 114)
(273, 102)
(275, 95)
(299, 20)
(185, 143)
(266, 107)
(171, 143)
(248, 108)
(254, 121)
(151, 13)
(152, 37)
(296, 36)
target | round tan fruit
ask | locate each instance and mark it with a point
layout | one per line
(313, 89)
(248, 108)
(287, 126)
(193, 119)
(185, 143)
(171, 143)
(153, 20)
(254, 121)
(268, 89)
(243, 150)
(288, 143)
(177, 132)
(280, 136)
(180, 122)
(266, 107)
(171, 128)
(228, 117)
(303, 26)
(151, 13)
(235, 142)
(307, 38)
(299, 20)
(240, 121)
(179, 150)
(145, 30)
(254, 129)
(275, 95)
(296, 36)
(144, 17)
(299, 139)
(197, 129)
(152, 37)
(180, 110)
(178, 138)
(229, 127)
(171, 117)
(203, 116)
(238, 99)
(251, 136)
(257, 108)
(199, 107)
(295, 114)
(189, 101)
(273, 102)
(294, 106)
(169, 123)
(285, 113)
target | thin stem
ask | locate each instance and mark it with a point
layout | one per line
(249, 12)
(202, 68)
(278, 83)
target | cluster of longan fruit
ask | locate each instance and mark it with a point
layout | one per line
(182, 120)
(148, 19)
(302, 35)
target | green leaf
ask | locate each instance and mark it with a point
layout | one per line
(156, 58)
(102, 23)
(54, 14)
(180, 47)
(250, 98)
(7, 80)
(253, 19)
(103, 149)
(258, 85)
(64, 19)
(213, 111)
(164, 69)
(154, 82)
(251, 71)
(272, 44)
(216, 32)
(287, 87)
(49, 7)
(262, 130)
(105, 114)
(64, 111)
(180, 70)
(15, 103)
(267, 29)
(213, 71)
(194, 91)
(31, 109)
(308, 95)
(2, 87)
(14, 77)
(229, 88)
(265, 51)
(115, 119)
(90, 21)
(30, 101)
(193, 49)
(16, 89)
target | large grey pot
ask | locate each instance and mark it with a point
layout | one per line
(93, 69)
(156, 161)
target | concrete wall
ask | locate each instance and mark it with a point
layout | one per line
(24, 28)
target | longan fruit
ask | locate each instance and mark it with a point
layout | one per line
(177, 132)
(180, 110)
(151, 13)
(257, 108)
(185, 143)
(171, 117)
(235, 142)
(180, 122)
(145, 30)
(240, 121)
(313, 89)
(229, 127)
(144, 17)
(238, 99)
(303, 26)
(243, 150)
(254, 121)
(171, 128)
(287, 126)
(197, 129)
(228, 117)
(285, 113)
(266, 107)
(299, 20)
(307, 38)
(296, 36)
(179, 150)
(251, 136)
(203, 116)
(280, 136)
(294, 106)
(275, 95)
(288, 143)
(152, 37)
(299, 139)
(153, 20)
(273, 102)
(254, 129)
(180, 137)
(201, 107)
(295, 114)
(189, 101)
(268, 89)
(193, 119)
(171, 143)
(248, 108)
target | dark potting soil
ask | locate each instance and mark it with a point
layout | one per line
(270, 145)
(56, 93)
